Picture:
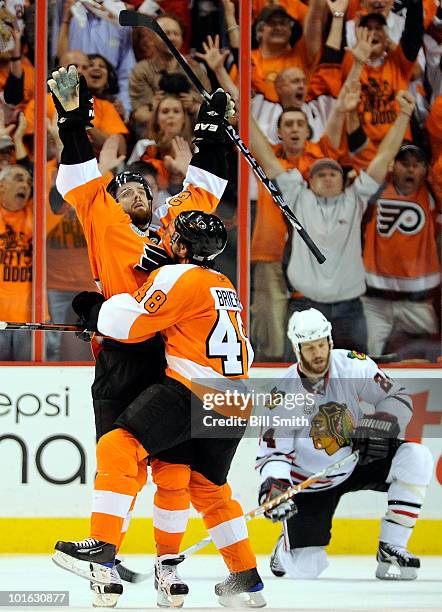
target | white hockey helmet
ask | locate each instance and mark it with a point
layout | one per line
(306, 326)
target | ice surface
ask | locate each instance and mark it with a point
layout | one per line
(348, 584)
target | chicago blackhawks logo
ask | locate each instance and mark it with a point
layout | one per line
(331, 427)
(406, 217)
(356, 355)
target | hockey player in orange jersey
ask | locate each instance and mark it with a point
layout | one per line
(125, 242)
(198, 312)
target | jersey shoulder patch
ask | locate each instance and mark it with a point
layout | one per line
(356, 355)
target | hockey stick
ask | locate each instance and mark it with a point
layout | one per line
(58, 327)
(131, 576)
(133, 19)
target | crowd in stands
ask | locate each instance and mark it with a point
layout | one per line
(346, 116)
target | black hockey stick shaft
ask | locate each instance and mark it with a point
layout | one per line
(57, 327)
(133, 19)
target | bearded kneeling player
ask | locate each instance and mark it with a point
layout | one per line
(333, 382)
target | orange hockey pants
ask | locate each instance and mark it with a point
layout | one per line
(120, 463)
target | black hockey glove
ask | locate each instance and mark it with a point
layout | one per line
(270, 488)
(376, 436)
(73, 102)
(209, 124)
(87, 306)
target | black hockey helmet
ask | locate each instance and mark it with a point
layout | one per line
(203, 234)
(128, 177)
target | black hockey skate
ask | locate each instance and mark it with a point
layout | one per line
(106, 595)
(100, 557)
(396, 563)
(171, 590)
(241, 590)
(275, 563)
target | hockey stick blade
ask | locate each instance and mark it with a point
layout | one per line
(133, 19)
(132, 576)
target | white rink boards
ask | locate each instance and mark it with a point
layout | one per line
(348, 584)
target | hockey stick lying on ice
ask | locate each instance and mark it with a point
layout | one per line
(131, 576)
(58, 327)
(133, 19)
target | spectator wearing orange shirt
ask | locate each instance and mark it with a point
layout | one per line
(67, 271)
(386, 72)
(107, 120)
(401, 255)
(280, 46)
(16, 228)
(395, 23)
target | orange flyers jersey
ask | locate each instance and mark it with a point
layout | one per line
(198, 312)
(378, 108)
(403, 226)
(16, 230)
(119, 251)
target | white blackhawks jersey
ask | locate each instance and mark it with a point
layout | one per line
(310, 427)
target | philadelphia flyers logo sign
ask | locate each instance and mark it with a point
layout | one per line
(405, 217)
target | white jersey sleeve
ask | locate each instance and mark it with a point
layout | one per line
(276, 450)
(376, 388)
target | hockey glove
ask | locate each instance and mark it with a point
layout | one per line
(73, 102)
(375, 437)
(87, 306)
(209, 124)
(270, 488)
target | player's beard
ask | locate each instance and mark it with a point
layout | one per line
(141, 217)
(313, 370)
